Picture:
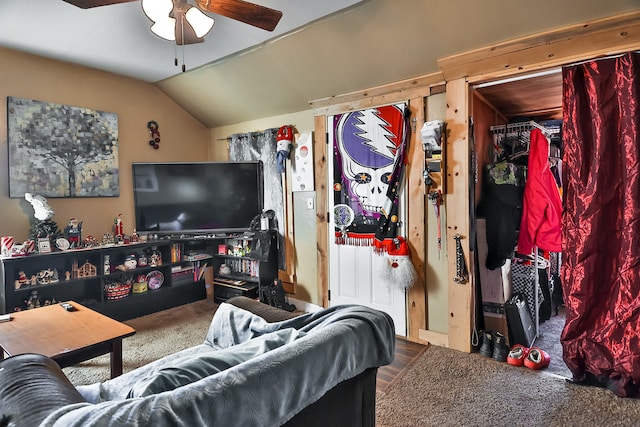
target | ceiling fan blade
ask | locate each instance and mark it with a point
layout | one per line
(249, 13)
(88, 4)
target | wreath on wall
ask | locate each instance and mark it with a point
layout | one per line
(153, 127)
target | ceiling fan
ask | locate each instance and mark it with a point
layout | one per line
(183, 32)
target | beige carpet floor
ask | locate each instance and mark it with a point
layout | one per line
(450, 388)
(157, 335)
(443, 387)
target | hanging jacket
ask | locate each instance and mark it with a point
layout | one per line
(501, 205)
(542, 206)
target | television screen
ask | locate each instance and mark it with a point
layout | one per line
(197, 197)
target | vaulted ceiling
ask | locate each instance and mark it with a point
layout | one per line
(323, 48)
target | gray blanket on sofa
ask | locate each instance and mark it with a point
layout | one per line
(292, 365)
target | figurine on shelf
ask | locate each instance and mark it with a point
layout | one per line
(33, 301)
(41, 209)
(43, 226)
(22, 280)
(107, 239)
(130, 262)
(118, 227)
(43, 277)
(106, 266)
(47, 276)
(23, 249)
(225, 270)
(156, 257)
(73, 232)
(140, 286)
(90, 242)
(142, 260)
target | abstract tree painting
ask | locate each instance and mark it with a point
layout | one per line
(61, 151)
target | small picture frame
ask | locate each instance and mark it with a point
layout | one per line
(44, 246)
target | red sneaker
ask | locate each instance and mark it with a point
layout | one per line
(537, 359)
(517, 355)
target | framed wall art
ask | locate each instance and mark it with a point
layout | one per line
(59, 150)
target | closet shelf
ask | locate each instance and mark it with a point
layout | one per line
(516, 128)
(511, 140)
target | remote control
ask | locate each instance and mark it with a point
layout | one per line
(67, 306)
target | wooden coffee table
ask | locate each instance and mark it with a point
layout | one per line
(68, 337)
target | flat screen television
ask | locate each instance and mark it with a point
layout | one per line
(197, 198)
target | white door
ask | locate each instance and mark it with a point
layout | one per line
(353, 270)
(353, 280)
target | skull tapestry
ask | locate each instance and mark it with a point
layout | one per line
(369, 155)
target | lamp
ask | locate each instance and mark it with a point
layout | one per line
(177, 20)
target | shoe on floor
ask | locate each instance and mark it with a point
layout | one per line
(537, 359)
(517, 355)
(500, 348)
(486, 349)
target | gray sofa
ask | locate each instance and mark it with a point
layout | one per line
(313, 369)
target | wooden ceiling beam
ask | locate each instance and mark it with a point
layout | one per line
(554, 48)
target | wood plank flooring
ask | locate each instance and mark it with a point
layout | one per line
(407, 352)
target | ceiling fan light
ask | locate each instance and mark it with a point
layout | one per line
(165, 29)
(157, 10)
(200, 22)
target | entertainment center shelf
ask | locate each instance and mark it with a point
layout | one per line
(120, 281)
(131, 280)
(245, 272)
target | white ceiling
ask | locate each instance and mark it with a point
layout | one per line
(117, 38)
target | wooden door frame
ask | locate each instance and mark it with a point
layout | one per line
(415, 91)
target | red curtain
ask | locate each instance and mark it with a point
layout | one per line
(601, 222)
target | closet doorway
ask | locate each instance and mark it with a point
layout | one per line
(534, 98)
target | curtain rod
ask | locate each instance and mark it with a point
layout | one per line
(256, 131)
(601, 58)
(518, 78)
(544, 73)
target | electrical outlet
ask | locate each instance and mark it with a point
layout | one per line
(310, 203)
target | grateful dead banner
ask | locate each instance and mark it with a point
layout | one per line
(369, 156)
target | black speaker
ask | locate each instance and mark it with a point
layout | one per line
(521, 327)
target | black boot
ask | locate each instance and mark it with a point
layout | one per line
(500, 348)
(486, 349)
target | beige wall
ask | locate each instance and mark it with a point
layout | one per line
(183, 138)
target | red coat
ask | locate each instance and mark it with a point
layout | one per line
(542, 206)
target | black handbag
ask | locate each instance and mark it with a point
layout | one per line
(519, 322)
(261, 246)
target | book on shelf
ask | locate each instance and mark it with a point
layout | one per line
(176, 252)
